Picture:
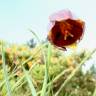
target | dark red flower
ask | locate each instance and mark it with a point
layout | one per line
(65, 29)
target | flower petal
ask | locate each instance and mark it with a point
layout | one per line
(73, 46)
(65, 30)
(59, 16)
(62, 15)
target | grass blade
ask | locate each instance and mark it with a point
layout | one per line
(94, 93)
(44, 87)
(8, 88)
(35, 35)
(30, 84)
(43, 92)
(48, 64)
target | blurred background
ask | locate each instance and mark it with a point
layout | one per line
(18, 16)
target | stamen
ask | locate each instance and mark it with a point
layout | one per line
(67, 33)
(64, 26)
(71, 35)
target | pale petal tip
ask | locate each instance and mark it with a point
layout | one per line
(62, 15)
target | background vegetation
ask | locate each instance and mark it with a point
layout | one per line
(42, 70)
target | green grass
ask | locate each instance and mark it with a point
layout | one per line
(5, 72)
(73, 73)
(30, 84)
(47, 77)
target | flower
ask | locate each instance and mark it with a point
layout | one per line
(65, 29)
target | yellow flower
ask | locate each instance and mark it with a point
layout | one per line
(29, 64)
(70, 62)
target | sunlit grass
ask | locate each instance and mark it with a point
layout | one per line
(48, 76)
(5, 72)
(30, 84)
(74, 72)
